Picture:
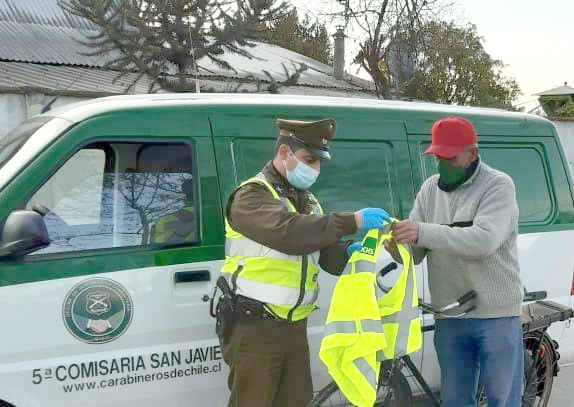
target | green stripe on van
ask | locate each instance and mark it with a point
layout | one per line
(67, 265)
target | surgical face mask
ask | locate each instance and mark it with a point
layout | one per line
(303, 176)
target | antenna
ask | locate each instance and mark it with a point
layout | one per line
(347, 14)
(192, 53)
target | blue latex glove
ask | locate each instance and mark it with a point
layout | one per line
(374, 218)
(354, 247)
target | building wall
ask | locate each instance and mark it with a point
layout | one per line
(12, 112)
(566, 133)
(15, 108)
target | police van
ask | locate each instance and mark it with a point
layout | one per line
(112, 217)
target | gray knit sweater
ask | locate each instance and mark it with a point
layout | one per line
(483, 256)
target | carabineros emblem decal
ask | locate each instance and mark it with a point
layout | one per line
(97, 310)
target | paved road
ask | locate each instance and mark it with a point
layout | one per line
(562, 392)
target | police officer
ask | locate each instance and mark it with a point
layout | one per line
(276, 238)
(179, 227)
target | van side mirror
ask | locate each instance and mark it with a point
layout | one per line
(23, 232)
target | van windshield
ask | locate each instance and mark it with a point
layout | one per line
(13, 141)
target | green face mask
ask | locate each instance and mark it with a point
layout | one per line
(450, 177)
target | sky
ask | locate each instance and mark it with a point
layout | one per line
(533, 38)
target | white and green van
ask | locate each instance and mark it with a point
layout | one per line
(101, 306)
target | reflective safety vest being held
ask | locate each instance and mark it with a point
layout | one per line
(287, 284)
(365, 325)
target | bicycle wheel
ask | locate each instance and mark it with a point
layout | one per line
(394, 391)
(539, 366)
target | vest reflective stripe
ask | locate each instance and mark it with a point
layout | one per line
(392, 330)
(354, 333)
(272, 293)
(399, 311)
(249, 248)
(287, 284)
(349, 327)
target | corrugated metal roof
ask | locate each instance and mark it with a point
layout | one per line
(271, 58)
(66, 80)
(39, 32)
(21, 77)
(46, 44)
(44, 12)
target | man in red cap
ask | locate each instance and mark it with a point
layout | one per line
(465, 221)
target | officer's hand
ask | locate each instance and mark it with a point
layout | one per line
(405, 231)
(354, 247)
(371, 218)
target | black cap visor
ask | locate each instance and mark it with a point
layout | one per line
(320, 153)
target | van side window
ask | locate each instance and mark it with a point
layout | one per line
(113, 195)
(527, 166)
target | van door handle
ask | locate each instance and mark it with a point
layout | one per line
(191, 276)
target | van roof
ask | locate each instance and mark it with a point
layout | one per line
(80, 111)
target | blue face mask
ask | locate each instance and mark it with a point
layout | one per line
(303, 176)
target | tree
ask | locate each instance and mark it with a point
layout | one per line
(566, 111)
(389, 31)
(306, 37)
(453, 67)
(164, 39)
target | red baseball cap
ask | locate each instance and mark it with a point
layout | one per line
(450, 135)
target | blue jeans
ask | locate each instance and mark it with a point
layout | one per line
(489, 348)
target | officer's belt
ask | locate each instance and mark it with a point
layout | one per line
(248, 309)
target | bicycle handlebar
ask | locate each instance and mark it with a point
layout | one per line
(426, 307)
(535, 296)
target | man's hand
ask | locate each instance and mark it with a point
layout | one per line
(405, 231)
(391, 247)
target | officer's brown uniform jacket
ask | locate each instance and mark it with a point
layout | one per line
(253, 212)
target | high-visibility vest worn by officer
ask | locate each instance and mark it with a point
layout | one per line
(356, 337)
(287, 284)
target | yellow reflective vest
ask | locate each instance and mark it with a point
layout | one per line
(365, 325)
(287, 284)
(399, 309)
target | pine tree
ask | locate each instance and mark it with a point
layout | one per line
(305, 37)
(164, 39)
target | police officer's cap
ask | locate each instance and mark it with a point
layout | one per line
(311, 135)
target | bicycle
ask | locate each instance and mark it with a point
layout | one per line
(540, 357)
